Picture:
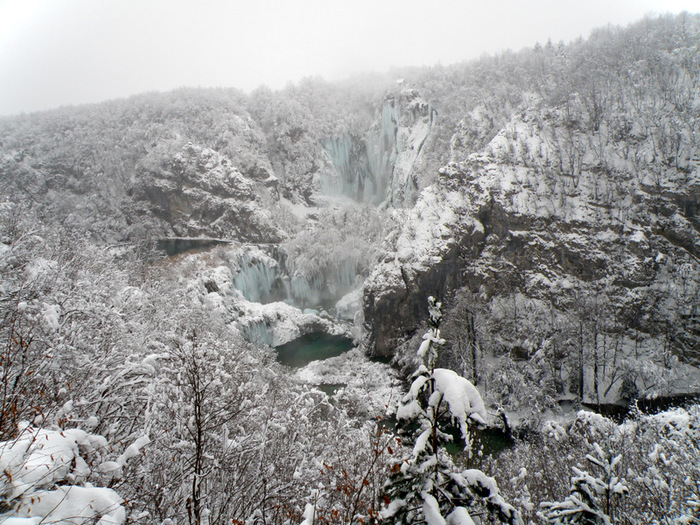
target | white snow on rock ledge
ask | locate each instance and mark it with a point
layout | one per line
(348, 305)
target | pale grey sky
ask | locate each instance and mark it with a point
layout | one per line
(58, 52)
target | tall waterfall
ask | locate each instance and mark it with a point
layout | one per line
(378, 168)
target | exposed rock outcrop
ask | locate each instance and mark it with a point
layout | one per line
(540, 211)
(199, 192)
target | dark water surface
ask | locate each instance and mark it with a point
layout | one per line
(311, 347)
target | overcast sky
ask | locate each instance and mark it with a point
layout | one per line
(58, 52)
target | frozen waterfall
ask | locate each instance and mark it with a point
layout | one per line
(325, 287)
(264, 279)
(364, 166)
(259, 278)
(257, 332)
(379, 167)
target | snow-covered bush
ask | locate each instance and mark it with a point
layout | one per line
(593, 498)
(657, 454)
(68, 319)
(48, 476)
(661, 453)
(349, 487)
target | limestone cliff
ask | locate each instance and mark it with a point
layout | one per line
(548, 210)
(198, 192)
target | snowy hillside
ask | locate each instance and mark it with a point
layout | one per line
(518, 235)
(568, 240)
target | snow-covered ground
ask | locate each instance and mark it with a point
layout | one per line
(373, 388)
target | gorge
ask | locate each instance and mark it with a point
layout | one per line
(168, 259)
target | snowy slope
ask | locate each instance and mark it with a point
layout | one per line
(555, 214)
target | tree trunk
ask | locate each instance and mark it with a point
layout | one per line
(581, 375)
(472, 344)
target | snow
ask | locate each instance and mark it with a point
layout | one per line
(39, 267)
(76, 505)
(111, 469)
(38, 460)
(133, 450)
(51, 314)
(639, 237)
(586, 418)
(371, 385)
(476, 478)
(348, 305)
(459, 516)
(431, 510)
(416, 386)
(309, 512)
(423, 349)
(420, 445)
(675, 419)
(554, 430)
(278, 323)
(299, 211)
(41, 457)
(429, 228)
(393, 507)
(462, 397)
(408, 410)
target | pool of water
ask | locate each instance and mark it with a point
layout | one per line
(312, 347)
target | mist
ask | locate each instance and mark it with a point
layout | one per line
(81, 51)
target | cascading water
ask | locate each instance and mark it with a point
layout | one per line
(382, 150)
(378, 168)
(259, 278)
(257, 332)
(364, 166)
(343, 277)
(324, 287)
(263, 279)
(306, 292)
(353, 178)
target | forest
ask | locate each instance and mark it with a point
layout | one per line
(506, 248)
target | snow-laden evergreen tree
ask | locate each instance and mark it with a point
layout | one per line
(440, 407)
(593, 498)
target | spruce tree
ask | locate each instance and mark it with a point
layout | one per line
(427, 487)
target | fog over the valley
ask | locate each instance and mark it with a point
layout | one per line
(82, 51)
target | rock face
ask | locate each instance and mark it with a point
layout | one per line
(199, 193)
(544, 210)
(426, 258)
